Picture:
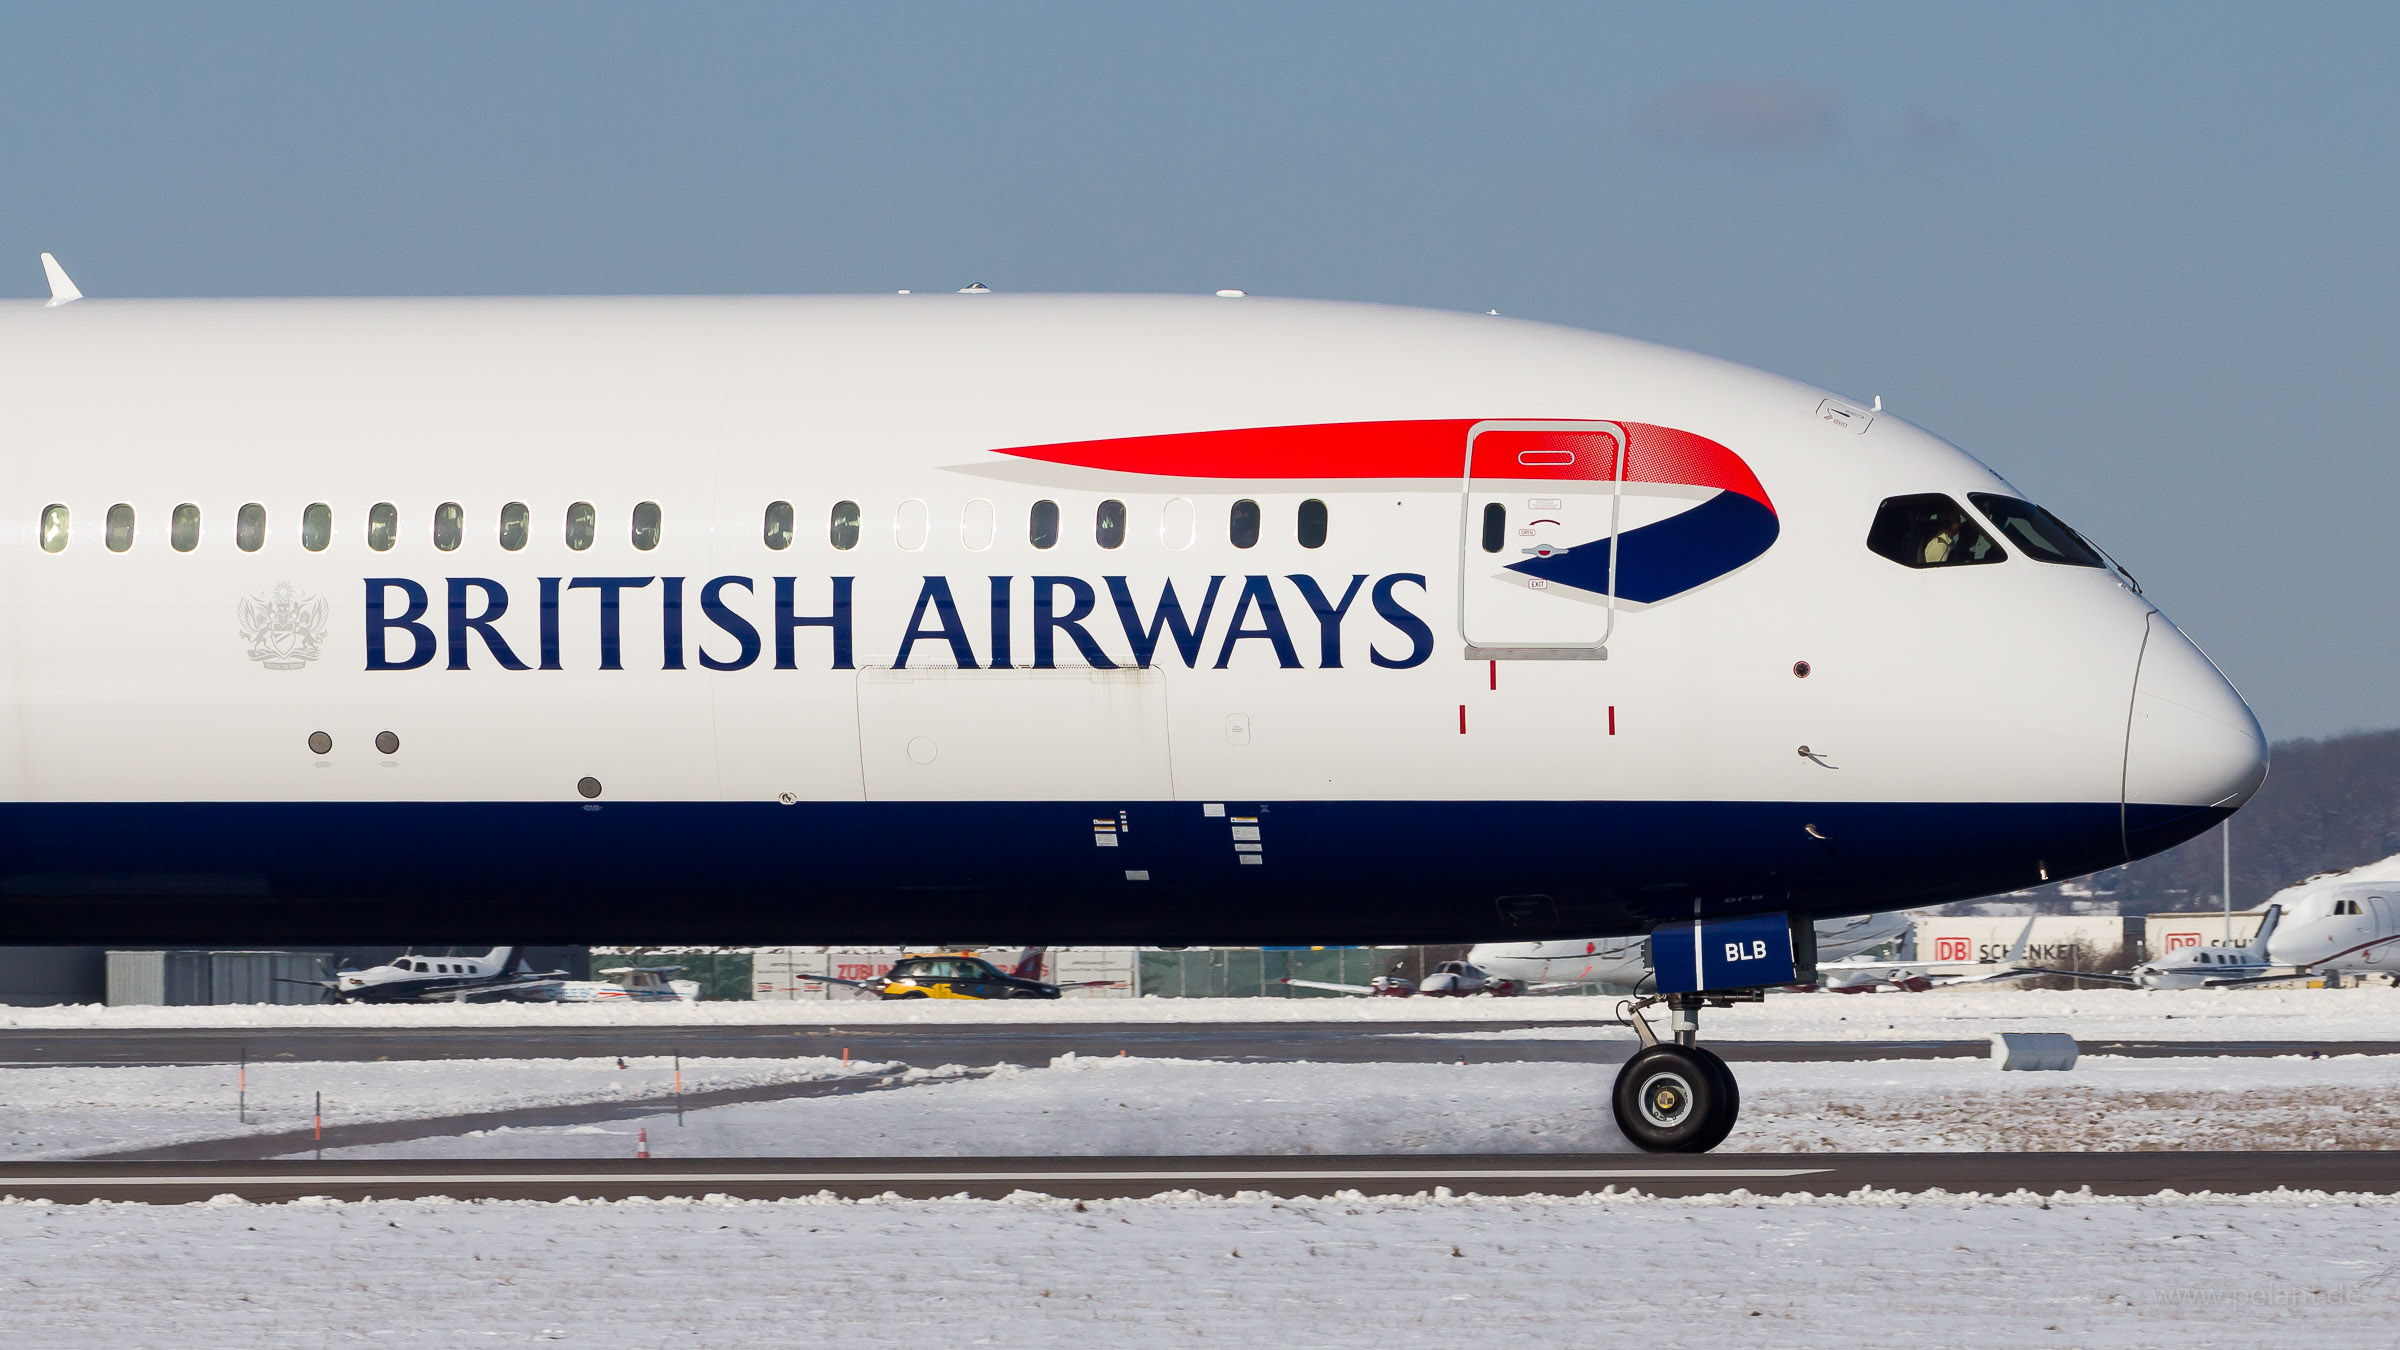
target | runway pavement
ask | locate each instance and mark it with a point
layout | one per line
(983, 1046)
(1109, 1178)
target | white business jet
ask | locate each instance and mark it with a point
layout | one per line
(1151, 620)
(2342, 923)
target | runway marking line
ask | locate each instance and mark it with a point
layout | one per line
(672, 1174)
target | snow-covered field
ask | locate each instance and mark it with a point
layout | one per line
(1154, 1106)
(1167, 1106)
(1436, 1272)
(2186, 1014)
(66, 1112)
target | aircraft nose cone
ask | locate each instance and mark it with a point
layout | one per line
(2193, 751)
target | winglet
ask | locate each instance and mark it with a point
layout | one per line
(62, 289)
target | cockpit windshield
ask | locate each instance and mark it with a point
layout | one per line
(2044, 537)
(1928, 529)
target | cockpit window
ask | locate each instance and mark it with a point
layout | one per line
(2044, 537)
(1930, 530)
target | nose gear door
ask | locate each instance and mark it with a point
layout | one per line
(1536, 491)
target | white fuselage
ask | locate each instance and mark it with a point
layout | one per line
(841, 619)
(2342, 924)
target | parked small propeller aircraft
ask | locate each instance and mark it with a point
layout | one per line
(2214, 966)
(411, 978)
(628, 984)
(1449, 979)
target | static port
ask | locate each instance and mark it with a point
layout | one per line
(320, 742)
(588, 786)
(387, 742)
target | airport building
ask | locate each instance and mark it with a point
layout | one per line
(2077, 941)
(2165, 932)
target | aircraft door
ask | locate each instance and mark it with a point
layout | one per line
(1537, 491)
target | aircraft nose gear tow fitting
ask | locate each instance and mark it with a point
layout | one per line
(1673, 1096)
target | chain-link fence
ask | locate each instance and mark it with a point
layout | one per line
(1248, 972)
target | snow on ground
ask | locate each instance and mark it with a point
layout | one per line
(65, 1112)
(2180, 1014)
(1434, 1272)
(1165, 1106)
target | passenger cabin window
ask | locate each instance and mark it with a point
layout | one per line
(449, 526)
(316, 527)
(183, 528)
(2044, 537)
(1243, 527)
(383, 526)
(1930, 530)
(843, 528)
(120, 528)
(582, 525)
(250, 527)
(646, 521)
(1312, 523)
(1495, 526)
(1041, 528)
(54, 528)
(911, 523)
(1108, 524)
(516, 526)
(778, 528)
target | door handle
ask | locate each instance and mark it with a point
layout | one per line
(1545, 550)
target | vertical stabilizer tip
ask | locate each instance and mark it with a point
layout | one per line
(62, 289)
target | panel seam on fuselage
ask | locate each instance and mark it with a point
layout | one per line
(2125, 761)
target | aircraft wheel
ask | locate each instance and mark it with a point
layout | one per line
(1676, 1099)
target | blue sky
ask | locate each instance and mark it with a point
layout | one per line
(2139, 258)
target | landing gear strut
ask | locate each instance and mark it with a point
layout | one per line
(1673, 1096)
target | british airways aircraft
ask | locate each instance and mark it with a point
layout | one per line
(1145, 619)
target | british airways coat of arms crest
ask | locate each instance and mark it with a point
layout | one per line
(285, 629)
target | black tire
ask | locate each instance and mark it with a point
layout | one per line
(1676, 1099)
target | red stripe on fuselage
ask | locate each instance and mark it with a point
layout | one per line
(1416, 449)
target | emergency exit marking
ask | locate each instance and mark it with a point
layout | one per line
(1462, 719)
(1495, 673)
(1612, 719)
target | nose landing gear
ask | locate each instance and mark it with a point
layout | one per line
(1673, 1096)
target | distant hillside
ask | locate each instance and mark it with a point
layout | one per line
(2326, 804)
